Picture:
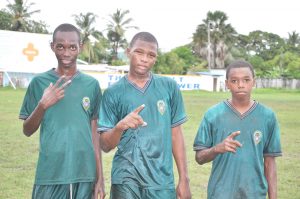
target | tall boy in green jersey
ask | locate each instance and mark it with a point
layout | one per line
(142, 114)
(64, 103)
(241, 136)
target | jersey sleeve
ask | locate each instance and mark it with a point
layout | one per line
(203, 137)
(97, 101)
(178, 115)
(30, 101)
(108, 116)
(273, 146)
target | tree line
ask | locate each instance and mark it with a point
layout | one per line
(215, 43)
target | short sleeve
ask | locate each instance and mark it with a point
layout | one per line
(30, 101)
(272, 145)
(203, 137)
(97, 101)
(108, 116)
(178, 115)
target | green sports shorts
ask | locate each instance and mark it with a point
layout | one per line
(119, 191)
(81, 190)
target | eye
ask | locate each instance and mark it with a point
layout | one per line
(152, 56)
(73, 47)
(233, 81)
(59, 47)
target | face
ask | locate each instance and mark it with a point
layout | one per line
(240, 82)
(142, 56)
(66, 47)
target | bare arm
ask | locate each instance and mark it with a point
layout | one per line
(110, 139)
(179, 153)
(228, 145)
(99, 185)
(51, 96)
(271, 176)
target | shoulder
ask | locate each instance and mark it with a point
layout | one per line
(265, 110)
(215, 110)
(116, 87)
(165, 81)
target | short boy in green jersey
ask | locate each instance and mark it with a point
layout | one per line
(241, 137)
(64, 103)
(141, 115)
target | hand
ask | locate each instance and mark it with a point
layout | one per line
(53, 93)
(229, 144)
(99, 190)
(132, 120)
(183, 190)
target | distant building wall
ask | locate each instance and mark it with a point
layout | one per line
(278, 83)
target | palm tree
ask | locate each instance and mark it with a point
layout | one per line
(116, 27)
(221, 37)
(20, 14)
(88, 32)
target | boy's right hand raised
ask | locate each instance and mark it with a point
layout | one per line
(229, 144)
(53, 93)
(132, 120)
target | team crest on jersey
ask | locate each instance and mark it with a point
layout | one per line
(86, 103)
(161, 106)
(257, 136)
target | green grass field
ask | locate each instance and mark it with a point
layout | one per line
(18, 154)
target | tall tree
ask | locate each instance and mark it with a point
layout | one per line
(293, 42)
(117, 25)
(213, 38)
(89, 34)
(21, 13)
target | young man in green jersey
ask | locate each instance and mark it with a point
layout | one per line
(141, 115)
(241, 137)
(64, 103)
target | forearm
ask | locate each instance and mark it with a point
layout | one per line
(32, 123)
(97, 149)
(271, 176)
(110, 139)
(206, 155)
(179, 154)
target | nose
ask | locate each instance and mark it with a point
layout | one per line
(144, 58)
(240, 84)
(66, 52)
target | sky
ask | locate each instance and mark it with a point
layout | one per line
(173, 22)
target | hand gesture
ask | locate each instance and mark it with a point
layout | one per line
(132, 120)
(229, 144)
(53, 93)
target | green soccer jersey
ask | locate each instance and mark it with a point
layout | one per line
(66, 153)
(239, 175)
(144, 155)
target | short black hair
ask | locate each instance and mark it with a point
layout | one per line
(239, 64)
(143, 36)
(65, 27)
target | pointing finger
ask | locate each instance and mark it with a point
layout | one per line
(234, 134)
(139, 109)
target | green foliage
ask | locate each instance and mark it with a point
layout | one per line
(118, 62)
(20, 14)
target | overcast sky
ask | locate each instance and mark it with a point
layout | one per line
(173, 22)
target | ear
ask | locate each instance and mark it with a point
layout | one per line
(80, 47)
(52, 46)
(128, 52)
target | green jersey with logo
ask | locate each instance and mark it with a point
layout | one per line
(239, 175)
(144, 155)
(66, 153)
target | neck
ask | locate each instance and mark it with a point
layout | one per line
(68, 72)
(139, 80)
(241, 105)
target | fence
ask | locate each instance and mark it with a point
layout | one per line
(278, 83)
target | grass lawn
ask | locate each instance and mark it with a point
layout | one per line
(18, 154)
